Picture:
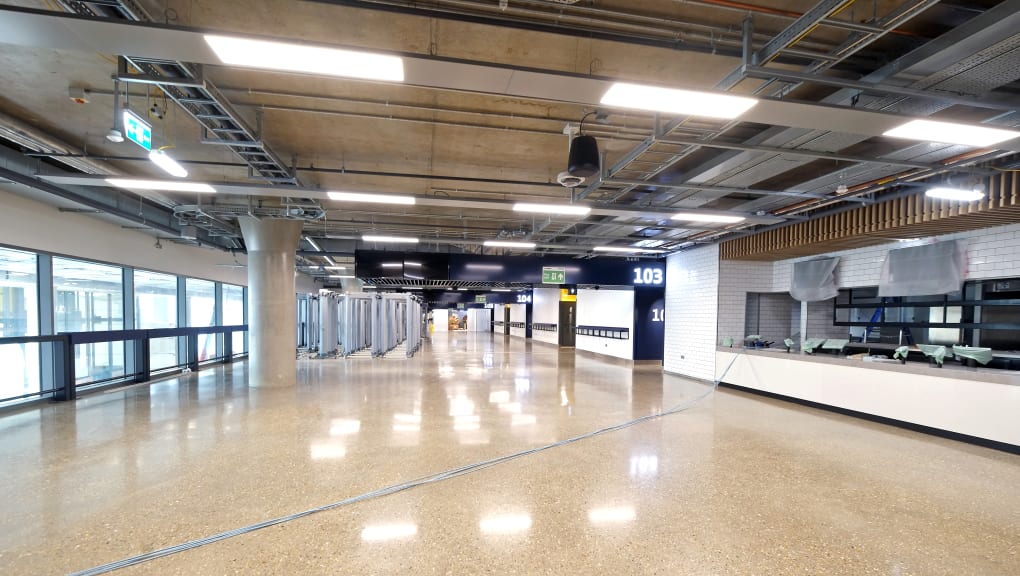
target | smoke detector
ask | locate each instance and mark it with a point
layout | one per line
(841, 189)
(568, 180)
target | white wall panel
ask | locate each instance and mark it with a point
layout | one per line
(518, 313)
(440, 320)
(613, 308)
(692, 312)
(546, 310)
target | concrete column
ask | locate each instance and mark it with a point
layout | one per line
(272, 244)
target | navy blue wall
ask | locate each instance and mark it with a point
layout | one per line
(649, 323)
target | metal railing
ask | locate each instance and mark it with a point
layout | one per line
(61, 384)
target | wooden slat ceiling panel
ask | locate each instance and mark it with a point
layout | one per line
(909, 217)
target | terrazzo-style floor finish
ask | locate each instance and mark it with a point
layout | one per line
(739, 484)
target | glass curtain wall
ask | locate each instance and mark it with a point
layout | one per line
(156, 307)
(19, 316)
(201, 311)
(89, 297)
(233, 314)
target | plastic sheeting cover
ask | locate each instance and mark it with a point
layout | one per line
(923, 270)
(814, 280)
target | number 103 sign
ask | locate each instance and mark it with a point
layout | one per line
(648, 276)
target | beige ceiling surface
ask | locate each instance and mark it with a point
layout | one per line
(441, 140)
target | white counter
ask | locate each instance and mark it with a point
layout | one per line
(981, 403)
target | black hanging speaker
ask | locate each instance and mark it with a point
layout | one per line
(584, 157)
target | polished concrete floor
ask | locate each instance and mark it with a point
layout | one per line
(738, 484)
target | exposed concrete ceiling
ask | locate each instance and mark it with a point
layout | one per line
(480, 122)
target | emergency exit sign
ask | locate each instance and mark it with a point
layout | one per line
(552, 275)
(137, 130)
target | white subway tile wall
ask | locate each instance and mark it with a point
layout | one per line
(692, 304)
(736, 279)
(991, 253)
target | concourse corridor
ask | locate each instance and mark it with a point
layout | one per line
(737, 484)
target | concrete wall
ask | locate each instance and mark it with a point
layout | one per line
(692, 312)
(32, 225)
(611, 308)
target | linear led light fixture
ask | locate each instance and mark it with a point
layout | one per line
(341, 276)
(960, 194)
(411, 287)
(674, 101)
(308, 59)
(363, 197)
(394, 239)
(413, 264)
(500, 290)
(712, 218)
(334, 267)
(168, 164)
(626, 250)
(951, 133)
(161, 185)
(502, 244)
(314, 244)
(552, 209)
(392, 265)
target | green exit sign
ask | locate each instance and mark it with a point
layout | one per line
(480, 299)
(137, 130)
(552, 275)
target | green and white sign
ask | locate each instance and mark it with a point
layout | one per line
(137, 130)
(480, 298)
(552, 275)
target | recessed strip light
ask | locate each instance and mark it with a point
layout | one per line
(713, 218)
(951, 133)
(393, 239)
(411, 287)
(552, 209)
(308, 59)
(500, 290)
(502, 244)
(413, 264)
(674, 101)
(161, 185)
(960, 194)
(168, 164)
(335, 267)
(362, 197)
(626, 250)
(392, 265)
(340, 276)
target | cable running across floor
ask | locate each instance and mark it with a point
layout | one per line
(394, 489)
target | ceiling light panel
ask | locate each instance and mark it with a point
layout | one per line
(307, 59)
(959, 194)
(951, 133)
(552, 209)
(674, 101)
(502, 244)
(392, 239)
(161, 185)
(711, 218)
(363, 197)
(167, 164)
(627, 250)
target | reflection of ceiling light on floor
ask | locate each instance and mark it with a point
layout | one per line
(461, 406)
(327, 451)
(414, 418)
(466, 426)
(522, 385)
(341, 427)
(383, 532)
(611, 514)
(499, 397)
(523, 420)
(406, 427)
(505, 524)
